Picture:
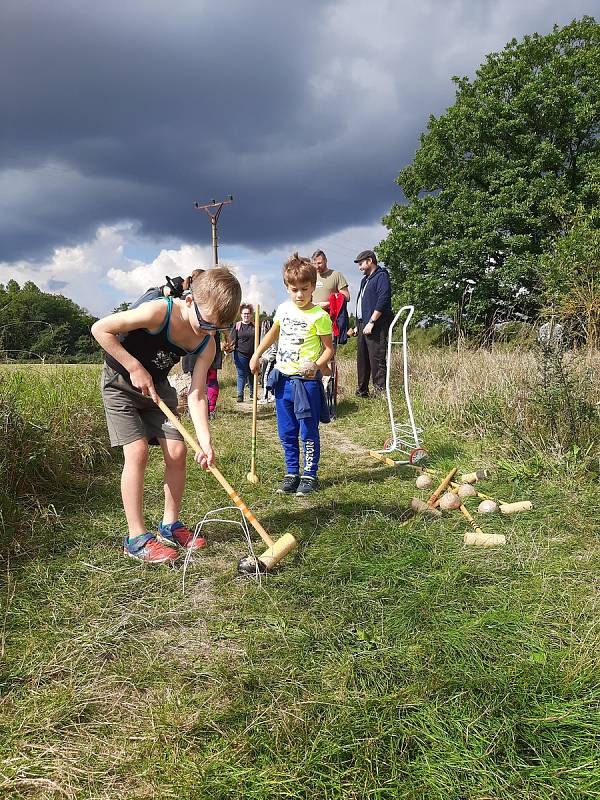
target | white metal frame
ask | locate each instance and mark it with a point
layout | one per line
(405, 436)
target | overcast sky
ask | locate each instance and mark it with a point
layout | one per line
(117, 116)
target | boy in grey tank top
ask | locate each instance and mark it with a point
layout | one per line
(141, 345)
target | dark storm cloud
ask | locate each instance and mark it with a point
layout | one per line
(304, 111)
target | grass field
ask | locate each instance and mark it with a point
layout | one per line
(379, 661)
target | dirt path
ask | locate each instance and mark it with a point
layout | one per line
(337, 440)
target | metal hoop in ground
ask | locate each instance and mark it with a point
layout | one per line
(208, 517)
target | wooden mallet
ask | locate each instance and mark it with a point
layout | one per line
(252, 477)
(477, 536)
(276, 550)
(418, 506)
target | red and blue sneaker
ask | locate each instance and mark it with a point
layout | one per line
(178, 534)
(148, 549)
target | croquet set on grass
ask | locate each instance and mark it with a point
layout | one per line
(449, 496)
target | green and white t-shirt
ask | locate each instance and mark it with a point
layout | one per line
(299, 332)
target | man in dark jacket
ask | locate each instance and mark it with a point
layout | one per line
(373, 316)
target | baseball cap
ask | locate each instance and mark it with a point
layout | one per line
(364, 254)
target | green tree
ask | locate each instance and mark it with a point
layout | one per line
(494, 176)
(570, 275)
(43, 324)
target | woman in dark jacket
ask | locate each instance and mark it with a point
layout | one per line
(241, 341)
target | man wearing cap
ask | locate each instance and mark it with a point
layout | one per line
(373, 316)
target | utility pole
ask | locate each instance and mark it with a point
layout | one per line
(214, 216)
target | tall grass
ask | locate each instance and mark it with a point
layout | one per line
(53, 439)
(532, 402)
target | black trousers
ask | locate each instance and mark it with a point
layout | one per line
(371, 357)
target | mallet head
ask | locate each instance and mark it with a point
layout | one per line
(270, 558)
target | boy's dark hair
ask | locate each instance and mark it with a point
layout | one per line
(219, 291)
(318, 253)
(249, 306)
(299, 269)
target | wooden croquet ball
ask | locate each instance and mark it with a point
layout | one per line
(251, 567)
(487, 507)
(466, 490)
(449, 501)
(424, 481)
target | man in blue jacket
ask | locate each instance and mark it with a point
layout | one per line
(373, 315)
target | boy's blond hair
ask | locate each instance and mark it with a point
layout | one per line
(218, 290)
(299, 269)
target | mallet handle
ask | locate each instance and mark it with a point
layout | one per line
(443, 485)
(470, 519)
(255, 397)
(385, 459)
(224, 483)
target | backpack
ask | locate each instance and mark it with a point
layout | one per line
(156, 292)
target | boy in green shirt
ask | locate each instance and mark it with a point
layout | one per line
(305, 347)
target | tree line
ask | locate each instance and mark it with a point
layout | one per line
(36, 325)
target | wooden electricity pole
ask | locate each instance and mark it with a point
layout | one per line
(214, 216)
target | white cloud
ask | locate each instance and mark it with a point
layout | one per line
(137, 276)
(98, 274)
(78, 272)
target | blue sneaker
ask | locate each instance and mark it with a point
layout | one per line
(307, 485)
(177, 534)
(148, 549)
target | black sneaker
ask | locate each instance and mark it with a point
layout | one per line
(289, 484)
(307, 485)
(240, 398)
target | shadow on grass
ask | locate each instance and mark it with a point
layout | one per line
(345, 408)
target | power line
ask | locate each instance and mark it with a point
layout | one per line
(214, 216)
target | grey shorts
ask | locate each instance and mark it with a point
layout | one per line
(130, 415)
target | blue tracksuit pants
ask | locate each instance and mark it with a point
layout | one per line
(288, 427)
(244, 376)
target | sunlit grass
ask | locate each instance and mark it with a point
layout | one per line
(379, 662)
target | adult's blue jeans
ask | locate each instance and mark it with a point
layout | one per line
(288, 427)
(244, 376)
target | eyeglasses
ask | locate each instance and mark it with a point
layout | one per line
(208, 326)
